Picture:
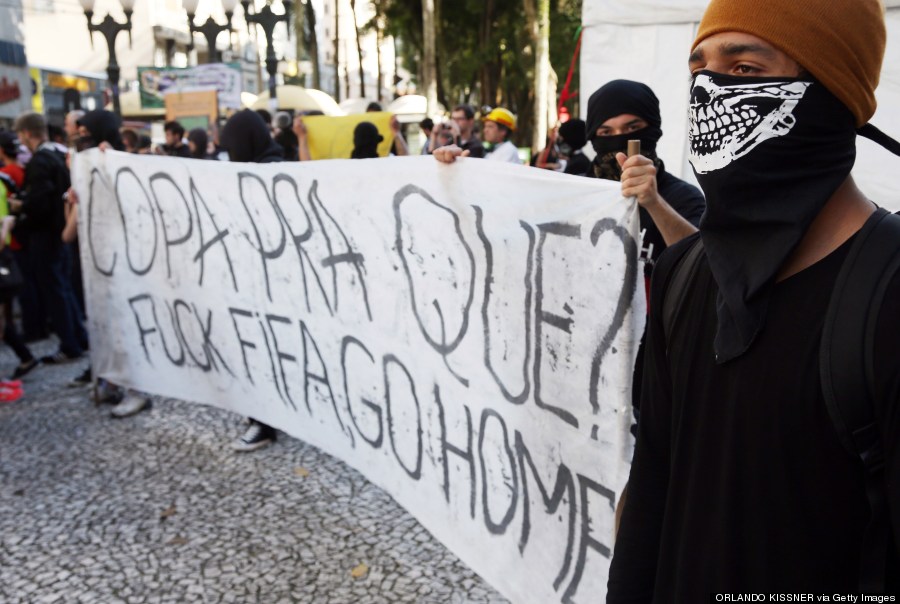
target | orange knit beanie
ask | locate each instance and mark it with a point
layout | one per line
(840, 42)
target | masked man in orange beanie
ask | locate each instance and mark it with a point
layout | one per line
(762, 464)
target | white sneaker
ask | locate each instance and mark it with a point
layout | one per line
(130, 405)
(255, 437)
(109, 393)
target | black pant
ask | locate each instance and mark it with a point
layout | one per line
(52, 263)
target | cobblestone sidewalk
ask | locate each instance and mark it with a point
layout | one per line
(157, 508)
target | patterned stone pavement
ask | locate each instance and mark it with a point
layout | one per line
(157, 508)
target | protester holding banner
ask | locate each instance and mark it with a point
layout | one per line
(749, 475)
(40, 220)
(246, 137)
(498, 126)
(670, 208)
(100, 128)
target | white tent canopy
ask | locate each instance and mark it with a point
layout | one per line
(649, 41)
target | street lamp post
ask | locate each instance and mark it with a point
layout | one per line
(110, 29)
(267, 19)
(210, 29)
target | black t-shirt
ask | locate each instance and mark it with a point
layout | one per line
(739, 482)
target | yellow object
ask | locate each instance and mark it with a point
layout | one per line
(502, 116)
(37, 99)
(331, 137)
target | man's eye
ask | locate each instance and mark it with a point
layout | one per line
(745, 69)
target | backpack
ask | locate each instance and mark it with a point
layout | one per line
(846, 360)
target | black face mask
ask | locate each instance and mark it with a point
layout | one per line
(85, 142)
(605, 163)
(768, 153)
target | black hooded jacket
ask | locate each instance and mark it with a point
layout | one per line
(104, 128)
(246, 138)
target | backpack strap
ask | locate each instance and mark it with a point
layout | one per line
(847, 376)
(676, 289)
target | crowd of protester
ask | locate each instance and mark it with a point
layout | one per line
(737, 446)
(40, 208)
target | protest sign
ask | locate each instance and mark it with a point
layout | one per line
(197, 109)
(463, 335)
(156, 82)
(331, 137)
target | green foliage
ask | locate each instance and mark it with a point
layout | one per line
(485, 50)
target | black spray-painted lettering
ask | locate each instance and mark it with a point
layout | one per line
(251, 206)
(522, 396)
(563, 493)
(510, 473)
(300, 240)
(416, 471)
(219, 238)
(608, 225)
(542, 317)
(374, 441)
(467, 454)
(120, 177)
(188, 231)
(335, 260)
(95, 177)
(283, 389)
(443, 344)
(586, 487)
(321, 378)
(143, 331)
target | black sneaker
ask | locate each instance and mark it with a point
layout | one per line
(58, 358)
(83, 379)
(24, 369)
(255, 437)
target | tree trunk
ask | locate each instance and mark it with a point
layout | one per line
(379, 40)
(337, 51)
(346, 73)
(541, 75)
(488, 69)
(429, 65)
(313, 42)
(359, 52)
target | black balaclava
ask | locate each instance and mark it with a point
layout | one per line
(617, 98)
(573, 135)
(768, 153)
(365, 141)
(246, 138)
(200, 138)
(103, 126)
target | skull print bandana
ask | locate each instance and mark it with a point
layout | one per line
(768, 153)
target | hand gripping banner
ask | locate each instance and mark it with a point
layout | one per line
(463, 335)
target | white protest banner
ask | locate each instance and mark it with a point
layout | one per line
(463, 335)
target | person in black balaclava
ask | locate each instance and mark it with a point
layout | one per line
(198, 141)
(670, 208)
(97, 127)
(570, 139)
(246, 138)
(365, 141)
